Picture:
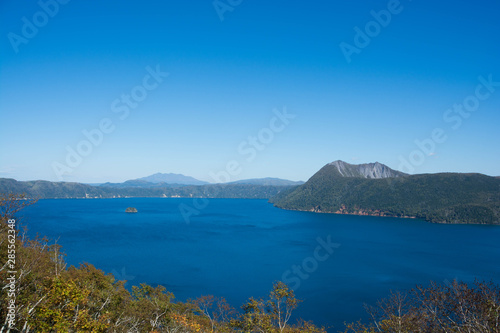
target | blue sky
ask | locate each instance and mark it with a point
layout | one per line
(215, 113)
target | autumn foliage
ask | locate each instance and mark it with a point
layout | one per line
(53, 298)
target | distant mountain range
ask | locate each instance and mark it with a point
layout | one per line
(339, 187)
(376, 189)
(49, 190)
(171, 178)
(157, 185)
(177, 180)
(268, 181)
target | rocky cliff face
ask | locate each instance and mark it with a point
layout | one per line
(370, 170)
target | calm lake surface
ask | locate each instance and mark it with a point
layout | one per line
(236, 248)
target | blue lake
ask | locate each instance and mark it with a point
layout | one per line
(236, 248)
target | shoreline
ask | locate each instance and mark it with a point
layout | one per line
(381, 214)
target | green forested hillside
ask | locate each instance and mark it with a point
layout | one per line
(444, 197)
(44, 190)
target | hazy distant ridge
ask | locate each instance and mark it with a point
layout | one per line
(268, 181)
(171, 178)
(47, 190)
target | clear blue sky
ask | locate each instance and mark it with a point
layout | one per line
(227, 76)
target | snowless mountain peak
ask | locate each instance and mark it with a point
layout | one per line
(368, 170)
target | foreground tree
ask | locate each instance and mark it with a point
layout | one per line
(273, 315)
(217, 313)
(454, 307)
(11, 203)
(65, 308)
(281, 302)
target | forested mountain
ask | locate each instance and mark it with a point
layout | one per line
(375, 189)
(339, 187)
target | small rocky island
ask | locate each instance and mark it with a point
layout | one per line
(131, 210)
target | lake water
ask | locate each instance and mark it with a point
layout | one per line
(236, 248)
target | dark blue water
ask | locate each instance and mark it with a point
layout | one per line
(236, 248)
